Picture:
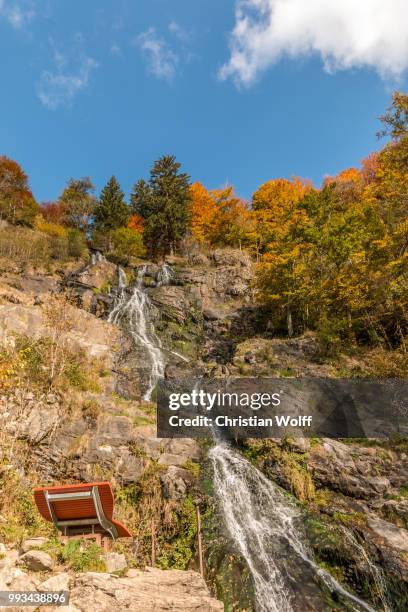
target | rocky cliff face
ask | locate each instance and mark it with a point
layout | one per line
(208, 322)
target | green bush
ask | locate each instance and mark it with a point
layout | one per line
(80, 555)
(127, 243)
(77, 246)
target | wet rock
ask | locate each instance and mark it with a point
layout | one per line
(177, 371)
(171, 302)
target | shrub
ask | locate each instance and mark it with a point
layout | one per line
(58, 238)
(82, 556)
(24, 246)
(126, 243)
(77, 246)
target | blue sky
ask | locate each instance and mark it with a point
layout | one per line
(239, 90)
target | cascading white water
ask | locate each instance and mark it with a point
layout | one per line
(97, 257)
(134, 309)
(259, 517)
(164, 275)
(122, 280)
(375, 571)
(257, 513)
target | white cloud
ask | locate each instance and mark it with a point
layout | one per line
(161, 60)
(71, 74)
(344, 33)
(179, 32)
(18, 14)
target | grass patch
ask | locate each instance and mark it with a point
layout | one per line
(139, 421)
(78, 555)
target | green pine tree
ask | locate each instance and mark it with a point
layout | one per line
(111, 212)
(163, 203)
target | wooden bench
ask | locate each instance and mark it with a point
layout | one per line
(81, 511)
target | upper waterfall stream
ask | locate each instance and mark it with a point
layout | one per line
(134, 310)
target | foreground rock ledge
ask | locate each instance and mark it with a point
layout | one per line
(150, 591)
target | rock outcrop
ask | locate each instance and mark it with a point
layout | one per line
(152, 590)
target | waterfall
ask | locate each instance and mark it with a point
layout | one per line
(263, 524)
(122, 280)
(134, 310)
(97, 257)
(375, 571)
(164, 275)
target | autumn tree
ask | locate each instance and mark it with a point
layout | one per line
(78, 203)
(232, 222)
(336, 259)
(273, 204)
(387, 195)
(163, 203)
(136, 223)
(17, 203)
(52, 212)
(203, 211)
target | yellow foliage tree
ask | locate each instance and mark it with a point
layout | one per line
(273, 206)
(203, 210)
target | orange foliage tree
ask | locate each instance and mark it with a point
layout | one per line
(17, 203)
(219, 217)
(274, 206)
(203, 210)
(53, 212)
(136, 222)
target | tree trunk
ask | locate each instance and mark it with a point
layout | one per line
(289, 322)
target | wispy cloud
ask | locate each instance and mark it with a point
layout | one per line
(115, 50)
(70, 75)
(179, 32)
(161, 60)
(347, 34)
(17, 13)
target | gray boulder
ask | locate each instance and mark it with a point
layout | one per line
(37, 561)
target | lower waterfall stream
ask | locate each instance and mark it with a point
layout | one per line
(260, 518)
(262, 521)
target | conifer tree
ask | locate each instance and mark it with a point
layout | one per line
(163, 203)
(111, 211)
